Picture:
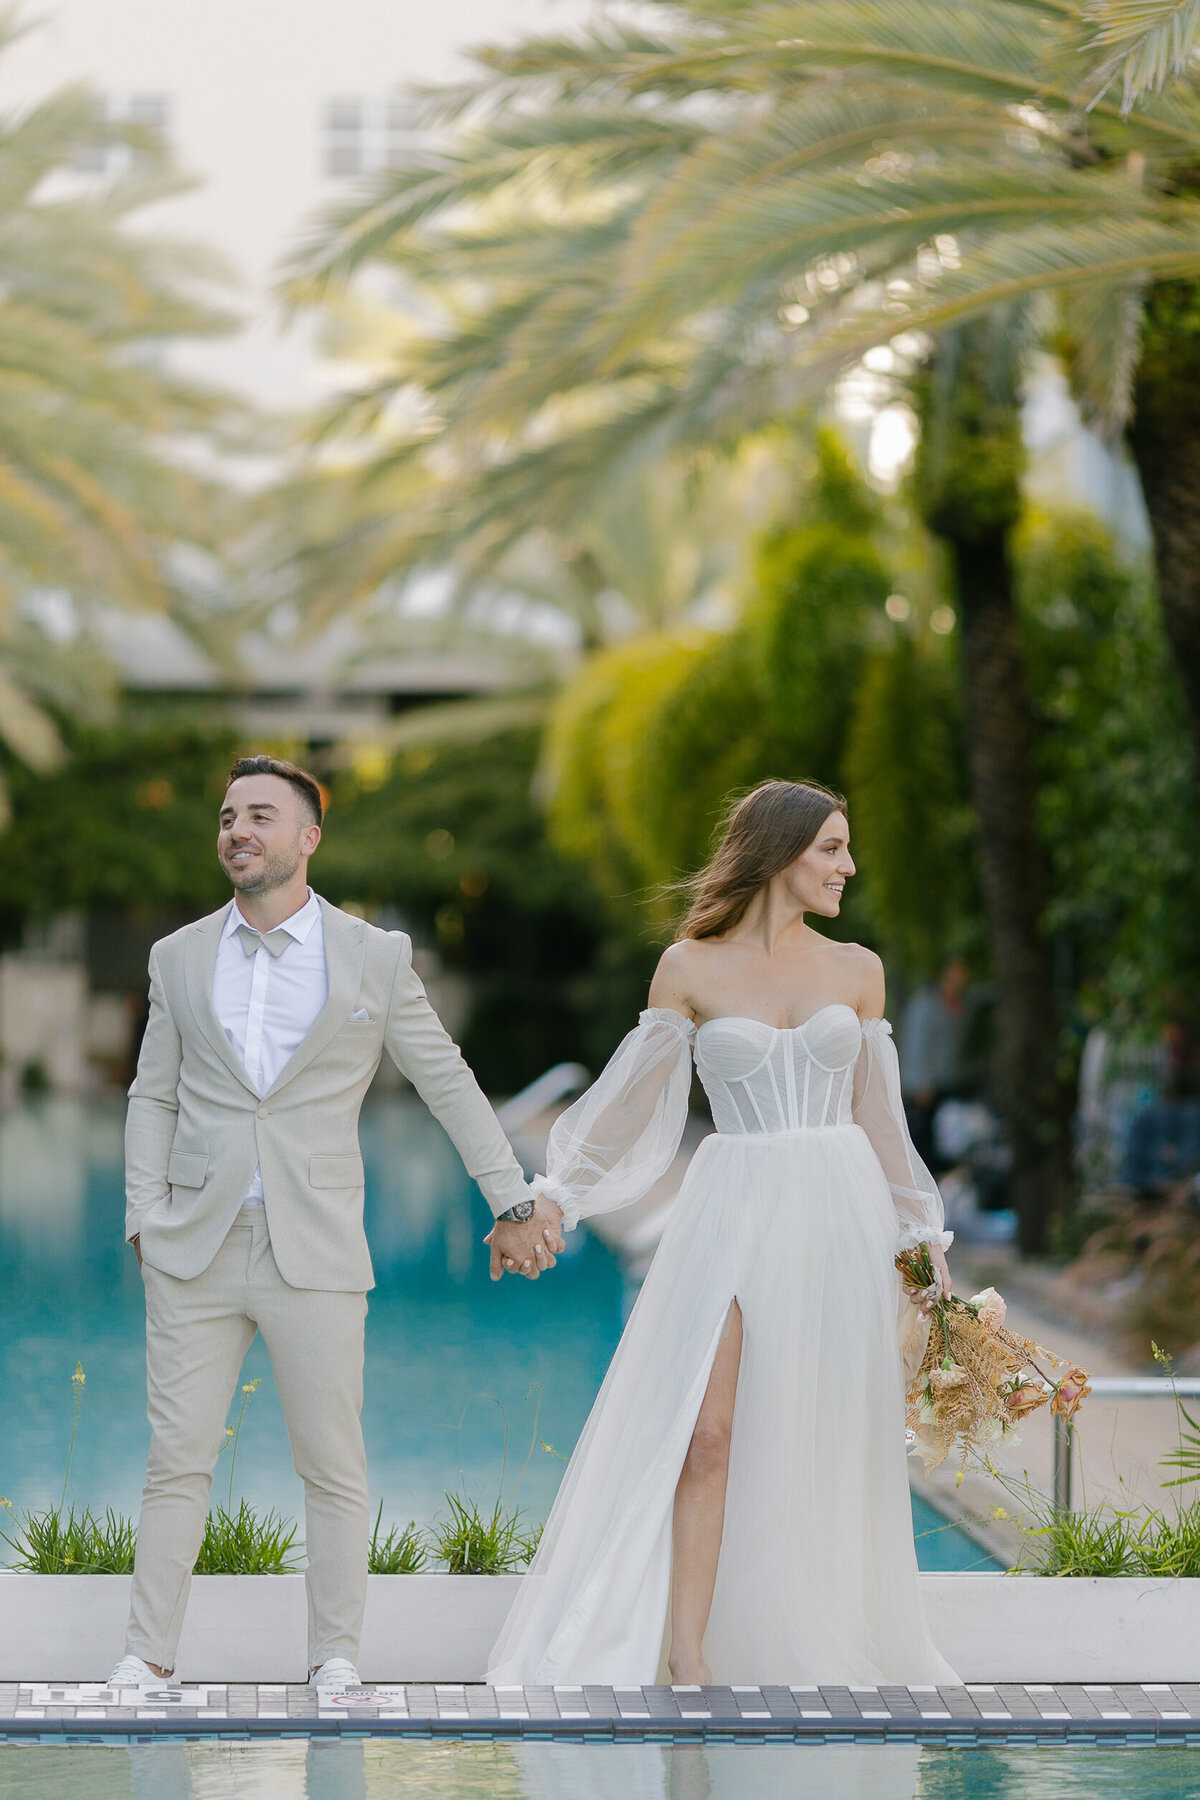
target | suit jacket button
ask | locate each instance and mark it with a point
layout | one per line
(262, 1112)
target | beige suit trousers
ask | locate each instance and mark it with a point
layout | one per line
(197, 1334)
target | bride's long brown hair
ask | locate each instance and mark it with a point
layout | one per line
(761, 833)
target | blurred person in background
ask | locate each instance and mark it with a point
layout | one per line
(1162, 1136)
(932, 1033)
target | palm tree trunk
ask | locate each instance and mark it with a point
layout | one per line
(1165, 440)
(1035, 1101)
(968, 481)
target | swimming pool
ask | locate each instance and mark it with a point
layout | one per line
(451, 1356)
(375, 1769)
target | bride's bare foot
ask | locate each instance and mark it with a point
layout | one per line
(690, 1671)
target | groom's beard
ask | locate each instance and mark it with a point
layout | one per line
(266, 872)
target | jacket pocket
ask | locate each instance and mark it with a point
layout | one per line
(335, 1171)
(187, 1168)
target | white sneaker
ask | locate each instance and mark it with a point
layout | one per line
(337, 1676)
(132, 1672)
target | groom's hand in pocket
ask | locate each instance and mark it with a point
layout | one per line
(527, 1249)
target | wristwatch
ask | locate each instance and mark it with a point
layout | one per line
(519, 1214)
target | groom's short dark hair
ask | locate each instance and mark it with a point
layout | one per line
(306, 785)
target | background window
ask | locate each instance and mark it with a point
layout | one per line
(365, 132)
(149, 111)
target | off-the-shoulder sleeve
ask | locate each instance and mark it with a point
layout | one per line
(608, 1148)
(878, 1108)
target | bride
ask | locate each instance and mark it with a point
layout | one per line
(738, 1499)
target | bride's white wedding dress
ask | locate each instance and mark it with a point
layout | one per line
(795, 1207)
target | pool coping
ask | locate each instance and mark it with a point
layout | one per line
(1006, 1713)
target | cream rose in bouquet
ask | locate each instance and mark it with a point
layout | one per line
(977, 1378)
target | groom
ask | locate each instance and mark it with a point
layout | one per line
(244, 1189)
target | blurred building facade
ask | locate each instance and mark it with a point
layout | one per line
(276, 108)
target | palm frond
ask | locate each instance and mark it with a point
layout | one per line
(1145, 43)
(464, 721)
(566, 151)
(1100, 254)
(1103, 327)
(94, 494)
(779, 232)
(28, 731)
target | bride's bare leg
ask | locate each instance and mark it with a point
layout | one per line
(700, 1509)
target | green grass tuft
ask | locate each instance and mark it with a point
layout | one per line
(243, 1543)
(400, 1552)
(66, 1542)
(1096, 1541)
(471, 1542)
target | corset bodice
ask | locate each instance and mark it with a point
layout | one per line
(769, 1078)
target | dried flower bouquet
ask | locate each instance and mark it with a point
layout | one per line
(977, 1378)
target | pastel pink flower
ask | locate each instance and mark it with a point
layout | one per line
(1070, 1393)
(1026, 1397)
(990, 1308)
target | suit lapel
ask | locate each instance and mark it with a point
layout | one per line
(345, 948)
(202, 947)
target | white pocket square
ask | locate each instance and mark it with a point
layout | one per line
(357, 1018)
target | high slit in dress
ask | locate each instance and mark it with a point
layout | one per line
(794, 1207)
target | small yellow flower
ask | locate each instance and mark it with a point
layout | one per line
(78, 1378)
(250, 1387)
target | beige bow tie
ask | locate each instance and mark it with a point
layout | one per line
(275, 941)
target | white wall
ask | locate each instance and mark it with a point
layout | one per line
(247, 82)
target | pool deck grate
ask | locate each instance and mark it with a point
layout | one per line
(1150, 1713)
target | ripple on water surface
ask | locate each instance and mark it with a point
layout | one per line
(376, 1769)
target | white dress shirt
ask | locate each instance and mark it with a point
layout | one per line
(266, 1005)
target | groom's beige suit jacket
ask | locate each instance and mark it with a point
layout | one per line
(197, 1129)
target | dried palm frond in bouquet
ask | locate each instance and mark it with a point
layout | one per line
(977, 1378)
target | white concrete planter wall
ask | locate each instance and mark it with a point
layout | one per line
(440, 1627)
(253, 1627)
(1070, 1628)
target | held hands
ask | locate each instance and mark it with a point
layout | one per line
(527, 1248)
(136, 1241)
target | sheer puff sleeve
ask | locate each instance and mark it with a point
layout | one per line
(615, 1141)
(878, 1108)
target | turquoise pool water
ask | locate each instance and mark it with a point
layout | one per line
(450, 1356)
(378, 1770)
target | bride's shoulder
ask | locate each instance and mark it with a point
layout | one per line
(675, 978)
(858, 954)
(685, 953)
(687, 957)
(866, 971)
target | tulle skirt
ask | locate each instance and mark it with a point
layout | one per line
(817, 1579)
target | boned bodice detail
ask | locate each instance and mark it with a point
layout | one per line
(612, 1144)
(767, 1078)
